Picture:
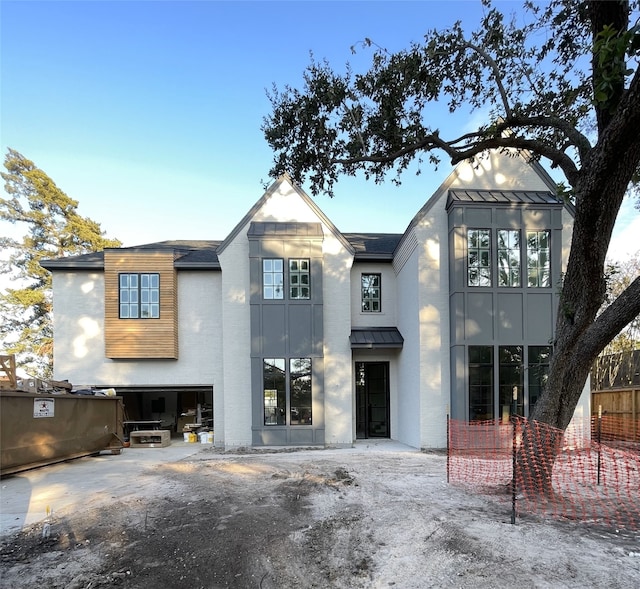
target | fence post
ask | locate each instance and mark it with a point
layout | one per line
(448, 444)
(514, 463)
(599, 439)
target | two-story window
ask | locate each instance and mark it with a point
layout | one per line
(287, 391)
(139, 296)
(508, 258)
(273, 276)
(371, 293)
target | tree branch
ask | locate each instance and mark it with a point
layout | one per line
(477, 145)
(497, 76)
(612, 320)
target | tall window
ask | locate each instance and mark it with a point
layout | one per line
(275, 400)
(539, 359)
(272, 278)
(479, 257)
(480, 383)
(370, 290)
(284, 389)
(538, 259)
(300, 390)
(299, 279)
(139, 296)
(510, 379)
(508, 257)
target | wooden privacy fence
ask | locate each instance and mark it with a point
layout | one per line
(574, 476)
(619, 406)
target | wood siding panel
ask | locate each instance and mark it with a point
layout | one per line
(141, 338)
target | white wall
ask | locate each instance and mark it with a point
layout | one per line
(79, 351)
(410, 398)
(232, 410)
(338, 367)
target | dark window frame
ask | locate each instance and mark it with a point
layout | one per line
(139, 297)
(479, 258)
(370, 302)
(287, 392)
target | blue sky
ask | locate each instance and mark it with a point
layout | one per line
(148, 113)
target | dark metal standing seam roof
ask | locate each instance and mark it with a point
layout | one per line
(535, 197)
(376, 337)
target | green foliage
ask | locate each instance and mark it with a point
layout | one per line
(535, 81)
(611, 50)
(53, 229)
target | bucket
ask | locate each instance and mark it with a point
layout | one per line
(186, 436)
(204, 437)
(209, 437)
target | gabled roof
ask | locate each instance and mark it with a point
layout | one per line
(446, 187)
(270, 191)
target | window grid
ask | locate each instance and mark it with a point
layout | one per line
(139, 296)
(371, 293)
(538, 259)
(479, 257)
(481, 383)
(508, 257)
(299, 279)
(273, 278)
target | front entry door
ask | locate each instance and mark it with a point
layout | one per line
(372, 400)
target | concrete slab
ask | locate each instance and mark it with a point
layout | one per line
(25, 497)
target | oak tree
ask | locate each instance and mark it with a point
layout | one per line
(563, 85)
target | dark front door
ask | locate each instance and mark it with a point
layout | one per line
(372, 400)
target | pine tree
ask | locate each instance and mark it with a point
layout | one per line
(53, 229)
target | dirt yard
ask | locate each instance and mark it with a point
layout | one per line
(343, 518)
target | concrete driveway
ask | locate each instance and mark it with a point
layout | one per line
(26, 497)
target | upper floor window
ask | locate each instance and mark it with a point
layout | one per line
(508, 257)
(538, 259)
(299, 279)
(370, 290)
(273, 278)
(479, 257)
(139, 296)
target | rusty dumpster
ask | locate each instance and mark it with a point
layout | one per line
(43, 428)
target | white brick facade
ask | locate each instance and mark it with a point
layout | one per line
(216, 331)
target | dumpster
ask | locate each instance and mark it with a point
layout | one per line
(43, 428)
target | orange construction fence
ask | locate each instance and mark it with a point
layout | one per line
(588, 474)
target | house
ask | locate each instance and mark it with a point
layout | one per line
(293, 333)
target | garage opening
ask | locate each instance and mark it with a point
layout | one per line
(167, 408)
